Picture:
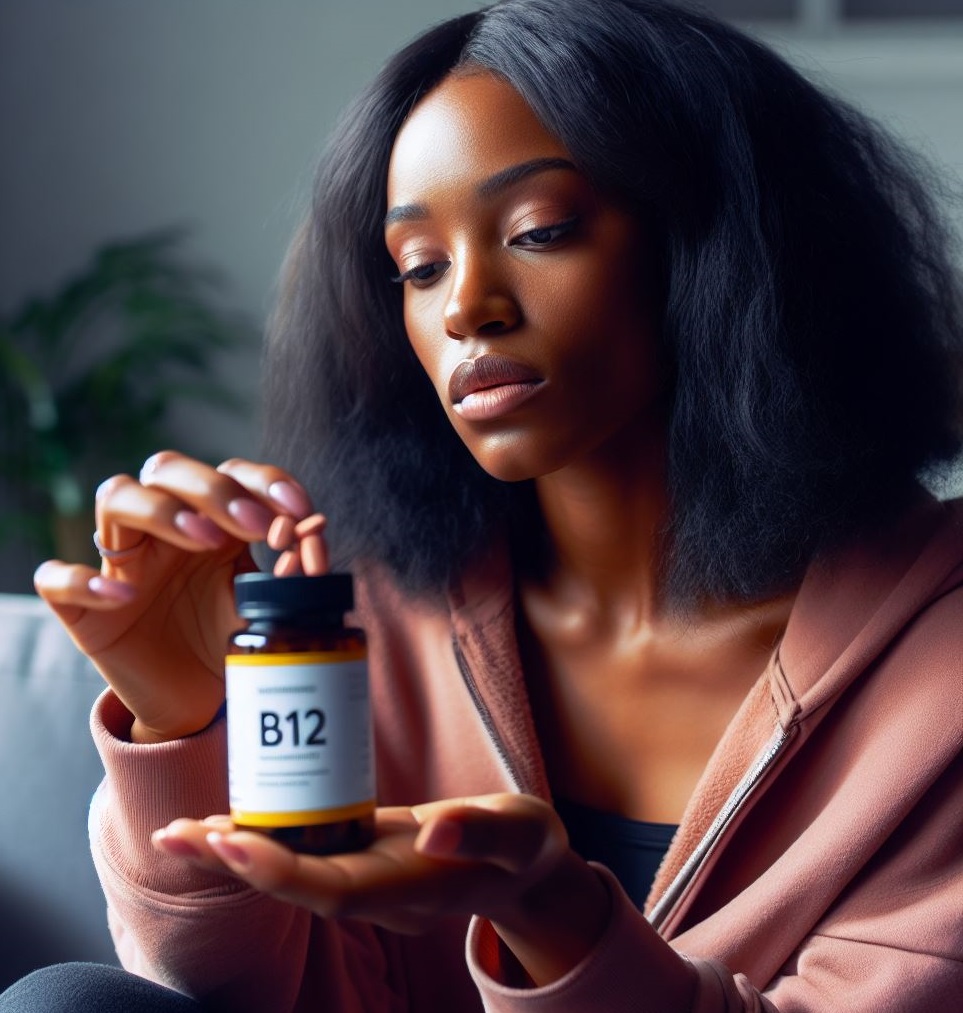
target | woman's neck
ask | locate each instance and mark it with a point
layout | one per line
(604, 519)
(630, 696)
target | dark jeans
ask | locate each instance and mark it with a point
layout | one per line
(76, 988)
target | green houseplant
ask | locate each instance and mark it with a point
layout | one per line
(90, 375)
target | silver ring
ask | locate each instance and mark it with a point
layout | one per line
(116, 555)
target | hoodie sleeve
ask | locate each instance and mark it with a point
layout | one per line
(831, 974)
(201, 933)
(629, 961)
(846, 963)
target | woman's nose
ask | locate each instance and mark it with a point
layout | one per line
(479, 302)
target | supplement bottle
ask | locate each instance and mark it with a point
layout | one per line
(300, 758)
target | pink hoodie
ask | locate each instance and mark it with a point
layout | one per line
(818, 867)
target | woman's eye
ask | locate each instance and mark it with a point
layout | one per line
(423, 274)
(544, 236)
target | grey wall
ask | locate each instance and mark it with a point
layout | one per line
(118, 116)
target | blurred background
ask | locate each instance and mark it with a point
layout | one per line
(156, 157)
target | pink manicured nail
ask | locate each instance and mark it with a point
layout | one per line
(289, 496)
(115, 590)
(229, 852)
(281, 533)
(200, 529)
(150, 466)
(251, 516)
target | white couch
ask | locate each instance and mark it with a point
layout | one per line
(51, 907)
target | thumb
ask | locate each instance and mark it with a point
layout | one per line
(517, 833)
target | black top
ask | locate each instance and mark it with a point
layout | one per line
(631, 849)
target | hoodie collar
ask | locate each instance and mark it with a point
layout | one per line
(851, 606)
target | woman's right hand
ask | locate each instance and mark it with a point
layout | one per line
(155, 619)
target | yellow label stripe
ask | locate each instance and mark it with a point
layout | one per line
(303, 658)
(303, 817)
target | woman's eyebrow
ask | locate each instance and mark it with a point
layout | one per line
(508, 177)
(495, 184)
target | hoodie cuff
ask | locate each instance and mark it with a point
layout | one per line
(147, 786)
(628, 961)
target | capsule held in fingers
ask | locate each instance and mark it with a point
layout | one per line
(288, 564)
(314, 555)
(281, 534)
(312, 525)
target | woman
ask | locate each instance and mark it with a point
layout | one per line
(614, 352)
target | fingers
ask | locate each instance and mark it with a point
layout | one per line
(192, 506)
(185, 504)
(302, 546)
(271, 484)
(555, 908)
(70, 589)
(273, 868)
(388, 883)
(507, 859)
(517, 833)
(503, 851)
(176, 505)
(127, 511)
(187, 839)
(331, 887)
(238, 497)
(74, 584)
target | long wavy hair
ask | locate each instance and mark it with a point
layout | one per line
(812, 319)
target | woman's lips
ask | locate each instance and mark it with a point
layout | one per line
(490, 386)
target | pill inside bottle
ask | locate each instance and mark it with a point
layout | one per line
(300, 756)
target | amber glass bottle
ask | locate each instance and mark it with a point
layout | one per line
(300, 758)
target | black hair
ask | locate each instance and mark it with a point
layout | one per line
(812, 322)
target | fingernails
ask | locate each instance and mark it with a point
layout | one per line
(105, 487)
(252, 517)
(115, 590)
(175, 846)
(44, 570)
(440, 840)
(200, 529)
(223, 823)
(229, 852)
(290, 497)
(150, 466)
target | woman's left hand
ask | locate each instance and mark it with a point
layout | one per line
(504, 857)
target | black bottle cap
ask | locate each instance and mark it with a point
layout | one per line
(264, 596)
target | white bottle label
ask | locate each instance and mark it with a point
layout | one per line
(299, 738)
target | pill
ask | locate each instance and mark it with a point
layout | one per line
(288, 564)
(314, 555)
(280, 535)
(312, 525)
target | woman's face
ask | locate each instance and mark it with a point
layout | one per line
(525, 292)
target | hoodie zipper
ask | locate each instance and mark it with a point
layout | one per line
(733, 804)
(486, 717)
(674, 892)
